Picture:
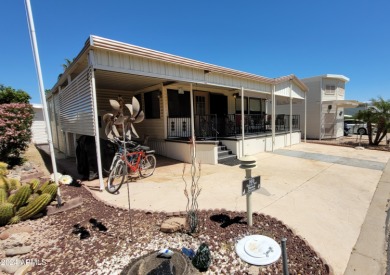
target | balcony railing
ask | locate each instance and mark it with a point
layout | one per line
(211, 126)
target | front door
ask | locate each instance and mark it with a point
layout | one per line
(219, 107)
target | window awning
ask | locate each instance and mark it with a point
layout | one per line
(343, 103)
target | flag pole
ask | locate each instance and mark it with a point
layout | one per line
(34, 46)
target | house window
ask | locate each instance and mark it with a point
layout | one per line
(330, 89)
(152, 104)
(200, 102)
(238, 105)
(255, 106)
(179, 104)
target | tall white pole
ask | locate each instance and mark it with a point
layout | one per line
(42, 92)
(192, 121)
(242, 122)
(291, 118)
(273, 116)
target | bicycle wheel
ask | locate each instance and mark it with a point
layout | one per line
(116, 177)
(147, 166)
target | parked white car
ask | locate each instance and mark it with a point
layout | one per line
(352, 126)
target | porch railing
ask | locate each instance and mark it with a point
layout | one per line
(211, 126)
(206, 126)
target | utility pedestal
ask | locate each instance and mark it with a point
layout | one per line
(248, 163)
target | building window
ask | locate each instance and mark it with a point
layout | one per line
(238, 105)
(255, 106)
(200, 102)
(152, 104)
(330, 89)
(179, 104)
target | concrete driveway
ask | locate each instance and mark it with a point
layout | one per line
(322, 192)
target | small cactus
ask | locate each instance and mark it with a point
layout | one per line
(21, 196)
(7, 211)
(43, 186)
(14, 220)
(13, 184)
(3, 183)
(50, 189)
(3, 168)
(3, 196)
(31, 198)
(34, 183)
(34, 207)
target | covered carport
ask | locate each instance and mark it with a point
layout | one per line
(105, 69)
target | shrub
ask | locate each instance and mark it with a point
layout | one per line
(15, 130)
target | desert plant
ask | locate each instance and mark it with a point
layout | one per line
(3, 183)
(34, 207)
(3, 196)
(50, 189)
(379, 115)
(13, 184)
(14, 220)
(21, 196)
(43, 186)
(34, 183)
(7, 211)
(3, 168)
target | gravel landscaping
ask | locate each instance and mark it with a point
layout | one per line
(56, 249)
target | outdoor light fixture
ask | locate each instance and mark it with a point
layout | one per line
(235, 95)
(341, 113)
(181, 91)
(159, 94)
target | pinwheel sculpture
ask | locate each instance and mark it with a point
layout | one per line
(120, 125)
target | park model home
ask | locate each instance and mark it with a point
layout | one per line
(229, 106)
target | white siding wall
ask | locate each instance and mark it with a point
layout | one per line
(106, 60)
(313, 109)
(75, 106)
(38, 127)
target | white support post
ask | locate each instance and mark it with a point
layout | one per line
(96, 121)
(304, 125)
(192, 121)
(242, 122)
(291, 119)
(273, 117)
(34, 45)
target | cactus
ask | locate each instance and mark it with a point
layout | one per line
(43, 186)
(11, 197)
(34, 207)
(3, 183)
(14, 220)
(3, 196)
(50, 189)
(31, 198)
(3, 168)
(6, 212)
(34, 183)
(21, 196)
(13, 184)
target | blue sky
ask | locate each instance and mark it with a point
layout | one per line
(268, 38)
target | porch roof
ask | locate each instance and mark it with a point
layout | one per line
(96, 42)
(343, 103)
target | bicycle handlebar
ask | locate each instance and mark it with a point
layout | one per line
(129, 142)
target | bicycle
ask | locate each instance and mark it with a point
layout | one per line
(138, 160)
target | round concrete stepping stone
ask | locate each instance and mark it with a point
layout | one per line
(258, 250)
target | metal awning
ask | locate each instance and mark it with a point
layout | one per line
(343, 103)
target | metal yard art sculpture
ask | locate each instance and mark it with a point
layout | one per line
(119, 125)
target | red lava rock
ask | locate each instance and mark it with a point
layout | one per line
(4, 235)
(84, 255)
